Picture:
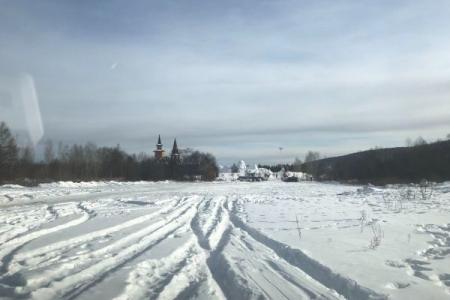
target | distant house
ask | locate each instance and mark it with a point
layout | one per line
(255, 174)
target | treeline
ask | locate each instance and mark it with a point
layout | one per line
(278, 167)
(296, 166)
(389, 165)
(89, 162)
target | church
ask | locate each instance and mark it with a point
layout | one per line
(194, 166)
(159, 151)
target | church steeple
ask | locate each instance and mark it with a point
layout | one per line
(159, 141)
(175, 155)
(159, 152)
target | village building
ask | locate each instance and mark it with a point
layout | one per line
(160, 152)
(175, 154)
(194, 166)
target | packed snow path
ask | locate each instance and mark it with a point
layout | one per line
(206, 241)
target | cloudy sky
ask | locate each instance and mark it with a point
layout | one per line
(237, 78)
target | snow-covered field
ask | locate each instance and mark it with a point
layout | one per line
(219, 240)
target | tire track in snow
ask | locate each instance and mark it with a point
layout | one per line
(152, 277)
(181, 273)
(245, 276)
(9, 248)
(273, 273)
(204, 222)
(322, 274)
(210, 235)
(209, 238)
(38, 256)
(73, 278)
(28, 221)
(228, 281)
(218, 234)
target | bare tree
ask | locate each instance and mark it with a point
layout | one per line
(49, 154)
(377, 235)
(27, 155)
(409, 142)
(425, 190)
(420, 141)
(299, 230)
(63, 152)
(296, 166)
(26, 162)
(312, 156)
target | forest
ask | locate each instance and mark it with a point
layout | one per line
(89, 162)
(389, 165)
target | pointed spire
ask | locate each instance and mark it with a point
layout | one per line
(159, 152)
(175, 148)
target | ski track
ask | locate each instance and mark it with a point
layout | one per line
(222, 255)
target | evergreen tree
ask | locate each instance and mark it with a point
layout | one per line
(8, 153)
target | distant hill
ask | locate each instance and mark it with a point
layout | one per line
(389, 165)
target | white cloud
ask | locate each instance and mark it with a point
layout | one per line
(278, 72)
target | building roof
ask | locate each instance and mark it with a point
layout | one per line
(175, 148)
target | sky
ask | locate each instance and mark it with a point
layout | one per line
(239, 79)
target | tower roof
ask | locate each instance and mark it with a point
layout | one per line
(175, 148)
(159, 152)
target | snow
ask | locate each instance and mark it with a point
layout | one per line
(242, 168)
(224, 240)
